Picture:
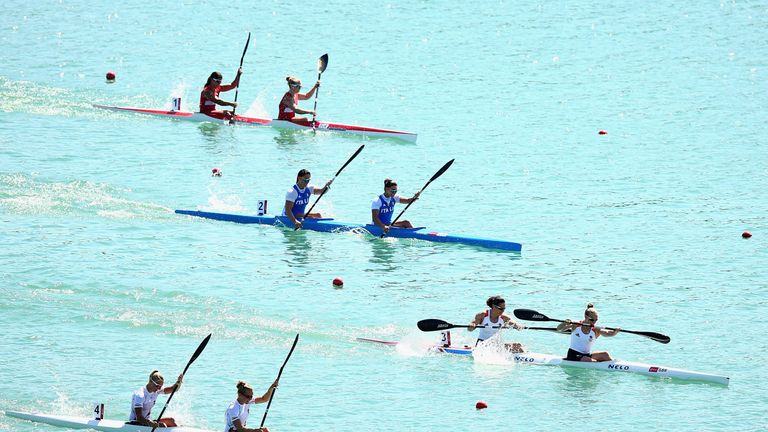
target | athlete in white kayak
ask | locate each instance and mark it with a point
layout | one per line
(494, 319)
(144, 399)
(583, 337)
(383, 206)
(297, 198)
(289, 104)
(238, 410)
(209, 96)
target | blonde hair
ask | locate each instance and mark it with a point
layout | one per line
(591, 311)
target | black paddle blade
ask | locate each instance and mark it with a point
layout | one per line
(198, 352)
(531, 315)
(658, 337)
(322, 63)
(442, 170)
(248, 41)
(432, 324)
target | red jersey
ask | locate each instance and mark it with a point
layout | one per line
(286, 113)
(206, 105)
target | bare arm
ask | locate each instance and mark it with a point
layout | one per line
(606, 332)
(288, 101)
(567, 326)
(476, 322)
(310, 93)
(234, 83)
(509, 322)
(267, 395)
(411, 199)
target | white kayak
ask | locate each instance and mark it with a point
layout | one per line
(325, 126)
(611, 366)
(89, 423)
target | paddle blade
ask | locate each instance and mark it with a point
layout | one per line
(658, 337)
(248, 41)
(322, 63)
(531, 315)
(431, 324)
(442, 170)
(197, 352)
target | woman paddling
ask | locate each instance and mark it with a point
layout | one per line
(583, 337)
(383, 206)
(289, 104)
(238, 410)
(209, 97)
(297, 198)
(144, 399)
(492, 320)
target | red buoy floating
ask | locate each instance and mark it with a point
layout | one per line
(338, 282)
(481, 405)
(111, 76)
(603, 132)
(746, 234)
(216, 172)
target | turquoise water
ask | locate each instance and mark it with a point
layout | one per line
(101, 282)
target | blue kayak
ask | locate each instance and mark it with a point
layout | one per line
(329, 225)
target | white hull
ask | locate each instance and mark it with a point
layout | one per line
(99, 425)
(273, 123)
(611, 366)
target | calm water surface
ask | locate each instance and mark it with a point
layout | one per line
(100, 282)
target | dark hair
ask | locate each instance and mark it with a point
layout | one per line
(389, 182)
(302, 173)
(292, 79)
(494, 301)
(215, 74)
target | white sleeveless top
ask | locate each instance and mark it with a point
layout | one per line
(237, 411)
(581, 342)
(491, 328)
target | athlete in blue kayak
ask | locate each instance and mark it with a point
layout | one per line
(297, 198)
(383, 206)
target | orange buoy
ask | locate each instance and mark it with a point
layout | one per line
(746, 234)
(481, 405)
(338, 282)
(111, 76)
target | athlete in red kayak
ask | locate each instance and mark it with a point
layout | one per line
(209, 97)
(289, 104)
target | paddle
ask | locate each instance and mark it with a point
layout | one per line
(432, 324)
(266, 411)
(194, 357)
(437, 174)
(334, 178)
(237, 89)
(322, 63)
(532, 315)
